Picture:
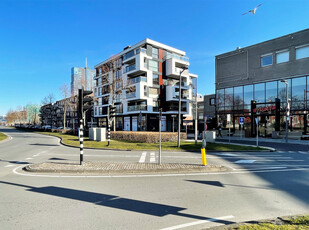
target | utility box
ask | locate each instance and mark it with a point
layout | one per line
(211, 136)
(92, 134)
(97, 134)
(100, 134)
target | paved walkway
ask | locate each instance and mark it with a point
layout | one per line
(120, 168)
(261, 139)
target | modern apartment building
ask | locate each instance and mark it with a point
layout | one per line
(139, 81)
(81, 77)
(255, 73)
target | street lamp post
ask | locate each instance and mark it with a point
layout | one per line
(179, 107)
(287, 111)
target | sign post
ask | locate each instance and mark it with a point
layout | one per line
(257, 131)
(241, 123)
(229, 122)
(160, 118)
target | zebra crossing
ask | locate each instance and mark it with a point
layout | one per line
(302, 152)
(152, 157)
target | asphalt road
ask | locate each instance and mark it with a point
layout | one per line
(260, 185)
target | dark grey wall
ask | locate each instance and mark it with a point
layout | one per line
(209, 109)
(243, 66)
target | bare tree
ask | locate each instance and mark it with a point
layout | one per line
(112, 74)
(68, 104)
(50, 98)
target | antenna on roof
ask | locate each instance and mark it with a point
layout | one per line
(86, 62)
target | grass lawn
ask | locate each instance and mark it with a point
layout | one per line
(2, 136)
(300, 223)
(115, 144)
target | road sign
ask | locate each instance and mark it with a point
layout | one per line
(241, 120)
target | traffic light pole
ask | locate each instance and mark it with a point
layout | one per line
(81, 140)
(109, 127)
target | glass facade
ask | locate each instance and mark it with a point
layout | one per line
(237, 102)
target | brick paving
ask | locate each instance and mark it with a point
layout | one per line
(120, 168)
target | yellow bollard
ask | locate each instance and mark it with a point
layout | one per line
(204, 160)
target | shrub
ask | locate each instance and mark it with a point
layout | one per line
(146, 137)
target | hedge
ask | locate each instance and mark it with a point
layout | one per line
(146, 137)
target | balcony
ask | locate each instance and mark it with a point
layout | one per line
(175, 108)
(132, 108)
(131, 95)
(175, 56)
(130, 68)
(137, 80)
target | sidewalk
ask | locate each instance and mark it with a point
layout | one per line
(122, 168)
(262, 139)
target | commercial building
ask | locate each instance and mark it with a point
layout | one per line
(255, 73)
(81, 77)
(139, 81)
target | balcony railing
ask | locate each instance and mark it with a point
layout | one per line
(182, 58)
(131, 95)
(137, 108)
(179, 70)
(175, 108)
(133, 53)
(137, 80)
(130, 67)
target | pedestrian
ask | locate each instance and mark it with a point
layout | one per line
(219, 130)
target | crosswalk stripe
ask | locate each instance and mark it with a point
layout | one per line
(8, 166)
(152, 157)
(143, 157)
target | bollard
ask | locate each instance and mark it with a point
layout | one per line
(204, 160)
(203, 152)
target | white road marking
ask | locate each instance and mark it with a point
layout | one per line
(8, 166)
(291, 151)
(280, 151)
(244, 161)
(302, 152)
(228, 154)
(199, 222)
(152, 157)
(143, 157)
(29, 158)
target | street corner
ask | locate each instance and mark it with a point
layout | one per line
(119, 168)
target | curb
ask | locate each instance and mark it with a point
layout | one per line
(80, 170)
(267, 148)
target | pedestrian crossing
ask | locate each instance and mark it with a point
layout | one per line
(144, 158)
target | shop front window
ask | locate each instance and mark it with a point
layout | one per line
(259, 93)
(271, 91)
(248, 94)
(298, 92)
(220, 99)
(282, 92)
(228, 98)
(238, 98)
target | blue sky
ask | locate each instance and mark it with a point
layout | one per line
(41, 40)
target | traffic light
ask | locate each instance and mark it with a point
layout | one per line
(112, 111)
(84, 103)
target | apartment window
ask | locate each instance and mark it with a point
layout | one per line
(153, 65)
(155, 52)
(302, 52)
(282, 56)
(212, 101)
(154, 91)
(155, 79)
(266, 60)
